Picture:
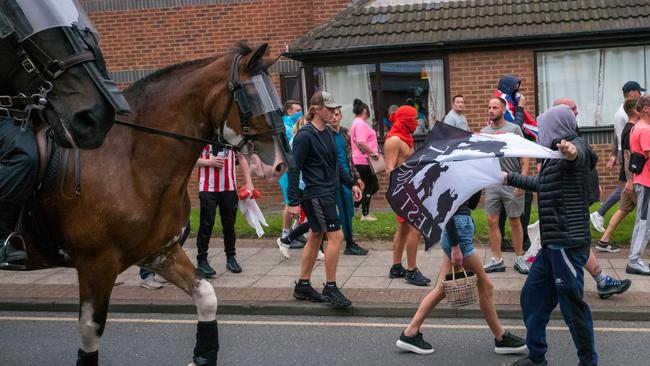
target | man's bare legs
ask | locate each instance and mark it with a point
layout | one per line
(399, 242)
(286, 221)
(407, 237)
(494, 236)
(616, 219)
(332, 252)
(412, 240)
(516, 234)
(309, 254)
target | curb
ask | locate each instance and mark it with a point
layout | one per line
(310, 309)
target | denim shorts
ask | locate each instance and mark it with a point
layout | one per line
(465, 228)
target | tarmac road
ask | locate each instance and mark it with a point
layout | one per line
(168, 339)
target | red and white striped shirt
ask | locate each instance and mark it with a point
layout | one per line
(217, 180)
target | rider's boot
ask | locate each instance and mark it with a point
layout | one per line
(11, 258)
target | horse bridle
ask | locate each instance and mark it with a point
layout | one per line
(19, 107)
(238, 94)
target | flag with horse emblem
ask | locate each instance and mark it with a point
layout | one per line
(448, 169)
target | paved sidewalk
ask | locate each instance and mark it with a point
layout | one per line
(266, 284)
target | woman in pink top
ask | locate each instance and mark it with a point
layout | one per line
(364, 146)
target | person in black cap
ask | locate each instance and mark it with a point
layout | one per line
(631, 90)
(314, 151)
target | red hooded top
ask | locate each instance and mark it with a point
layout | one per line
(405, 121)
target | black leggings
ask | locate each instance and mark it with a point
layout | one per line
(371, 187)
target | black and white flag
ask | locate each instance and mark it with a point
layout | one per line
(452, 165)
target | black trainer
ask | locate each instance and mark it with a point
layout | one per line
(397, 271)
(304, 291)
(333, 295)
(232, 265)
(528, 362)
(205, 269)
(355, 249)
(415, 344)
(509, 344)
(415, 277)
(613, 286)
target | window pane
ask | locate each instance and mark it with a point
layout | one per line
(417, 83)
(347, 83)
(570, 74)
(291, 87)
(621, 65)
(593, 78)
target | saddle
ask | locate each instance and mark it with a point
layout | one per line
(32, 232)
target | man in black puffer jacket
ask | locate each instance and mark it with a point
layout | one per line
(557, 274)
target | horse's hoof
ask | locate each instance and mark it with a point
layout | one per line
(87, 358)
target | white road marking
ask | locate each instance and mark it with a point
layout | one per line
(314, 324)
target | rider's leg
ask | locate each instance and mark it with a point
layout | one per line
(18, 166)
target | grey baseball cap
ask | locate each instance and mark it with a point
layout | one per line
(324, 99)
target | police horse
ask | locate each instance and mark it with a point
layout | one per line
(126, 203)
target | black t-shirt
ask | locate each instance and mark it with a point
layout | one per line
(625, 145)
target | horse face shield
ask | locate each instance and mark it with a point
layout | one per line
(24, 18)
(258, 97)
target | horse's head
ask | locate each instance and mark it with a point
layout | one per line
(253, 122)
(58, 64)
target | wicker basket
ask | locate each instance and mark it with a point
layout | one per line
(461, 291)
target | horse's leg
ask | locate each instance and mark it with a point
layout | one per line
(96, 279)
(178, 269)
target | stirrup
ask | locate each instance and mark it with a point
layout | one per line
(16, 261)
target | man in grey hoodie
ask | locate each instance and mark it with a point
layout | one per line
(557, 274)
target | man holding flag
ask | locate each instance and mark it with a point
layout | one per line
(557, 275)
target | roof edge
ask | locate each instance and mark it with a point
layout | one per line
(537, 41)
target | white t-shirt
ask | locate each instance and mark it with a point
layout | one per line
(620, 119)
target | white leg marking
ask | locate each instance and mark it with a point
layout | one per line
(205, 300)
(88, 329)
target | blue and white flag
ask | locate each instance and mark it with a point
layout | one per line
(452, 165)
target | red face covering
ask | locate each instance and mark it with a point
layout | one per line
(405, 121)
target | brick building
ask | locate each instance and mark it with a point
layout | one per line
(389, 51)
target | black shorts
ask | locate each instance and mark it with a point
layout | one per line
(322, 214)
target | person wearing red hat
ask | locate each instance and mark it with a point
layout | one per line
(397, 148)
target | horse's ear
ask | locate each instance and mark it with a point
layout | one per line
(268, 61)
(253, 61)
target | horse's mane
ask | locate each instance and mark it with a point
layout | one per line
(240, 48)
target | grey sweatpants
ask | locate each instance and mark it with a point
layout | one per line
(641, 232)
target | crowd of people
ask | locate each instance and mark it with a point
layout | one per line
(333, 178)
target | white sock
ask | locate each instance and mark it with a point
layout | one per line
(285, 233)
